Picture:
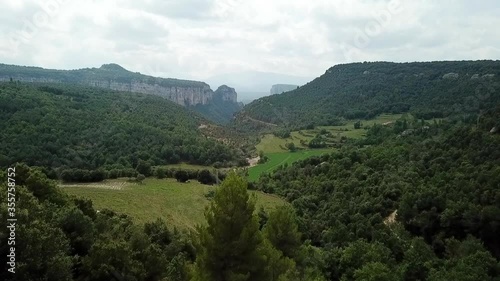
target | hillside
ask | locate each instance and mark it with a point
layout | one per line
(223, 106)
(68, 126)
(364, 90)
(192, 94)
(419, 206)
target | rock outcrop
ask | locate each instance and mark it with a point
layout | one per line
(115, 77)
(226, 94)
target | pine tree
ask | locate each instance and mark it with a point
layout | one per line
(230, 246)
(282, 231)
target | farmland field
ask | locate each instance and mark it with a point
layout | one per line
(272, 144)
(180, 205)
(281, 158)
(274, 147)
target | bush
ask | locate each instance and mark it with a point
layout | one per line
(205, 177)
(181, 176)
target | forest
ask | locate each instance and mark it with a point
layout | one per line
(62, 127)
(413, 199)
(110, 72)
(394, 206)
(365, 90)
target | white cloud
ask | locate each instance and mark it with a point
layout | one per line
(196, 39)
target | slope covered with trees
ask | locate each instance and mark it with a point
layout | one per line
(65, 126)
(62, 238)
(421, 203)
(193, 94)
(364, 90)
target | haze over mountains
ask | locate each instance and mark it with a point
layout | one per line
(255, 84)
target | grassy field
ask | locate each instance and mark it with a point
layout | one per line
(272, 144)
(274, 147)
(180, 205)
(281, 158)
(185, 166)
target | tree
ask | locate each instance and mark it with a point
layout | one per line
(205, 177)
(229, 246)
(357, 125)
(291, 146)
(181, 176)
(144, 168)
(140, 178)
(161, 173)
(282, 231)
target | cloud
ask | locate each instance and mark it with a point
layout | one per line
(197, 39)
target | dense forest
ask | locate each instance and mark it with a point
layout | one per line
(66, 126)
(423, 205)
(107, 72)
(214, 108)
(415, 199)
(64, 238)
(365, 90)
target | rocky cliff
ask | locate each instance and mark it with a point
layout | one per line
(115, 77)
(226, 94)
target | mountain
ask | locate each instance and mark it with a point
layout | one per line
(255, 84)
(281, 88)
(223, 107)
(187, 93)
(364, 90)
(63, 126)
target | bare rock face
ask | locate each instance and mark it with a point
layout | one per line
(226, 94)
(115, 77)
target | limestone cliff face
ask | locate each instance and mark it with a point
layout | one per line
(114, 77)
(226, 94)
(183, 95)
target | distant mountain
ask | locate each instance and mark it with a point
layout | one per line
(282, 88)
(255, 84)
(223, 107)
(192, 94)
(364, 90)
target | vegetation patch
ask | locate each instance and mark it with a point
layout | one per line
(179, 204)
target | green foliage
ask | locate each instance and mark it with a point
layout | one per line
(181, 176)
(140, 178)
(228, 247)
(291, 147)
(443, 182)
(65, 127)
(205, 177)
(365, 90)
(284, 134)
(59, 238)
(282, 231)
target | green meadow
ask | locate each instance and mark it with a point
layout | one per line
(274, 147)
(180, 204)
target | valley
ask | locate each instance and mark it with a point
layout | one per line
(365, 173)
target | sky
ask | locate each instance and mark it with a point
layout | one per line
(199, 39)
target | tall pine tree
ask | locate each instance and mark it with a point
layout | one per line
(230, 247)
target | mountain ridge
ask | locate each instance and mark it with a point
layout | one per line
(364, 90)
(112, 76)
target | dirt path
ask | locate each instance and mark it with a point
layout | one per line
(113, 185)
(262, 122)
(252, 162)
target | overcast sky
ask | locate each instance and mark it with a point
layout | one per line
(196, 39)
